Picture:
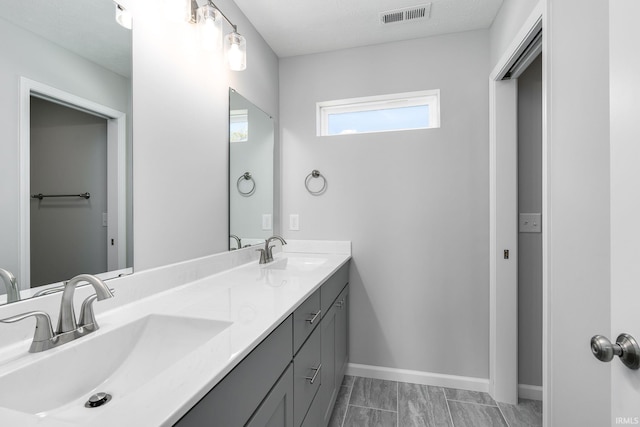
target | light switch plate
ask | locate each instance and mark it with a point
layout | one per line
(266, 222)
(530, 223)
(294, 222)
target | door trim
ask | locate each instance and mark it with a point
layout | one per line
(116, 171)
(503, 211)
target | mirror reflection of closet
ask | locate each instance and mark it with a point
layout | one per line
(251, 145)
(69, 168)
(69, 226)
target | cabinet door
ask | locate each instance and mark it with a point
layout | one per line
(342, 334)
(232, 401)
(277, 408)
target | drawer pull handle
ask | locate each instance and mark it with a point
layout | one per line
(313, 378)
(340, 304)
(315, 316)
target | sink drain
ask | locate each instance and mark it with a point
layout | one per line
(97, 399)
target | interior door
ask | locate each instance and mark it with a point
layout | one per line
(625, 201)
(68, 157)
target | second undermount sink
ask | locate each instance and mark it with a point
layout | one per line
(296, 263)
(117, 362)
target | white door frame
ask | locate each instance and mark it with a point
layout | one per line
(503, 217)
(116, 172)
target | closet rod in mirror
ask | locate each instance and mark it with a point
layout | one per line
(41, 196)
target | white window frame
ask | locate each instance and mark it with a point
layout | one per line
(239, 116)
(377, 102)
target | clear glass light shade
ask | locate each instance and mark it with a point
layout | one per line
(123, 17)
(209, 21)
(235, 47)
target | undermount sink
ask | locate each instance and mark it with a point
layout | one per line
(116, 362)
(296, 263)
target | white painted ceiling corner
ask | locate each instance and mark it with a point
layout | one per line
(292, 27)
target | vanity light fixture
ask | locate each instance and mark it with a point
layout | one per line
(236, 51)
(209, 18)
(123, 17)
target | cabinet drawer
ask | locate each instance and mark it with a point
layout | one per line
(332, 287)
(307, 373)
(305, 319)
(232, 401)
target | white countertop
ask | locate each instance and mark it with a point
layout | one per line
(255, 299)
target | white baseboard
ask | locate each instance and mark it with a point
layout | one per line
(525, 391)
(533, 392)
(418, 377)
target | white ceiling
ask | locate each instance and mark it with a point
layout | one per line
(85, 27)
(290, 27)
(298, 27)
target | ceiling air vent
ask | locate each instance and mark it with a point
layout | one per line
(405, 14)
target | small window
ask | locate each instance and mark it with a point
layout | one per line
(384, 113)
(239, 125)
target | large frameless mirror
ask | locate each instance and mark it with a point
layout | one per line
(251, 145)
(66, 144)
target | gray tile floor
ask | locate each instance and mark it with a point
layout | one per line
(367, 402)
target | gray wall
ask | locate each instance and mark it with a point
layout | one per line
(180, 105)
(506, 25)
(68, 156)
(414, 203)
(530, 244)
(38, 59)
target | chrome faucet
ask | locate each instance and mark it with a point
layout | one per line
(67, 319)
(10, 282)
(238, 241)
(266, 254)
(68, 329)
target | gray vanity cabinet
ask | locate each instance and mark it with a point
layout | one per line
(234, 399)
(334, 359)
(291, 379)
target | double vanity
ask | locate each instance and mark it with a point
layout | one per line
(235, 343)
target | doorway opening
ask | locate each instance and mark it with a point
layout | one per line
(69, 212)
(515, 373)
(58, 157)
(530, 231)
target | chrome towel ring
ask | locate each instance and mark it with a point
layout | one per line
(247, 177)
(315, 174)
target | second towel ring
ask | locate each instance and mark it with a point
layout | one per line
(315, 174)
(247, 177)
